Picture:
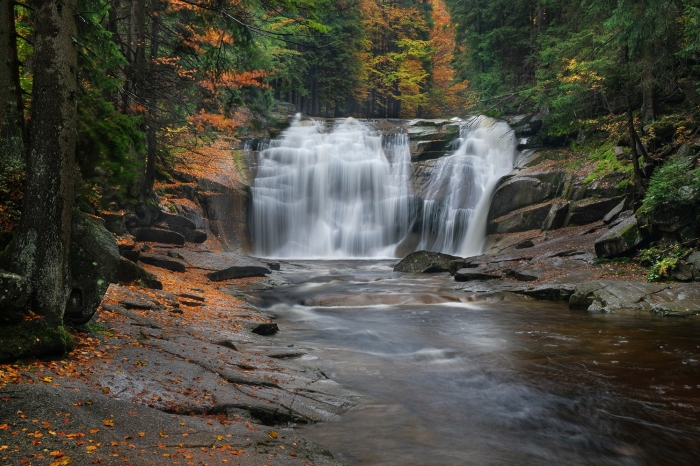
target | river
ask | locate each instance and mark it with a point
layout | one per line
(447, 381)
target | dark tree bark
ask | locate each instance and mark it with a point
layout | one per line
(152, 105)
(41, 252)
(11, 111)
(633, 145)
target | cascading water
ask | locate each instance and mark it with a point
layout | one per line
(342, 193)
(459, 195)
(335, 194)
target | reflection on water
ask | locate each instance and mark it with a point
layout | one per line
(454, 383)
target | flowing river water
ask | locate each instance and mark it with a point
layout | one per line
(451, 381)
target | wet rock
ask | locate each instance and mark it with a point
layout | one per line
(551, 292)
(591, 211)
(156, 235)
(694, 262)
(129, 272)
(238, 272)
(266, 329)
(163, 262)
(425, 262)
(526, 125)
(273, 265)
(13, 297)
(466, 275)
(682, 272)
(177, 221)
(557, 216)
(94, 259)
(193, 297)
(516, 191)
(614, 296)
(614, 213)
(525, 244)
(529, 218)
(525, 275)
(620, 240)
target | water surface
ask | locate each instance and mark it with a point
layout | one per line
(453, 382)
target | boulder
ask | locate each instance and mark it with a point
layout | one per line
(591, 210)
(163, 262)
(621, 239)
(515, 192)
(238, 272)
(94, 259)
(13, 297)
(425, 262)
(551, 292)
(614, 213)
(614, 296)
(529, 218)
(525, 275)
(128, 273)
(177, 221)
(266, 329)
(556, 216)
(526, 125)
(694, 262)
(156, 235)
(466, 275)
(525, 244)
(114, 222)
(682, 272)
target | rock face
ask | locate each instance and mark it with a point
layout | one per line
(157, 235)
(94, 258)
(614, 296)
(543, 194)
(163, 262)
(425, 262)
(620, 240)
(128, 273)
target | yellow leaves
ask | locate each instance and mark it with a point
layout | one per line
(108, 422)
(273, 434)
(47, 380)
(61, 459)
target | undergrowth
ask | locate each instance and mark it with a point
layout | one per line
(662, 260)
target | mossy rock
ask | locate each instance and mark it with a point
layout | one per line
(34, 338)
(94, 257)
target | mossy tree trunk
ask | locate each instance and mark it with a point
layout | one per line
(41, 252)
(11, 114)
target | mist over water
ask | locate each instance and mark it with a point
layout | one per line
(346, 192)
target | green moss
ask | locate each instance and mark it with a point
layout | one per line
(629, 234)
(34, 338)
(623, 185)
(606, 161)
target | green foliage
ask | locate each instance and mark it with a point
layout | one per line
(662, 260)
(605, 159)
(673, 186)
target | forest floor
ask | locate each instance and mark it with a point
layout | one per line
(168, 377)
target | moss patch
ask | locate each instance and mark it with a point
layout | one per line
(34, 338)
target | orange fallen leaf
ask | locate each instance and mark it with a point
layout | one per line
(108, 422)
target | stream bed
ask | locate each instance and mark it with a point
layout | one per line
(447, 381)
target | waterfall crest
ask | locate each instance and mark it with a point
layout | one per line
(459, 195)
(331, 194)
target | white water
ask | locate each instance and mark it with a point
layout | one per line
(335, 194)
(459, 196)
(342, 194)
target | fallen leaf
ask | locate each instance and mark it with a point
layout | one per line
(108, 422)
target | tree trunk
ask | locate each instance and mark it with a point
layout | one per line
(633, 145)
(11, 111)
(152, 106)
(41, 252)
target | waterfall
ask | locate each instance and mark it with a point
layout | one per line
(331, 194)
(459, 195)
(345, 193)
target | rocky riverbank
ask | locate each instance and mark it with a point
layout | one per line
(178, 373)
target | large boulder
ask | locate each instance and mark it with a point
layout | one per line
(591, 210)
(622, 239)
(157, 235)
(526, 219)
(13, 297)
(425, 262)
(515, 192)
(129, 273)
(94, 258)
